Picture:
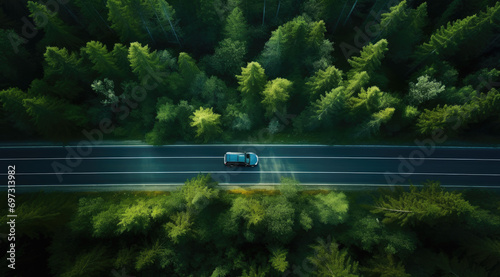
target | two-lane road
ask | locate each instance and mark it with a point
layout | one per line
(311, 164)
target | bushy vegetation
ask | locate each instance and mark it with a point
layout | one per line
(221, 70)
(201, 230)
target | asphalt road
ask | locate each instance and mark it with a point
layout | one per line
(311, 164)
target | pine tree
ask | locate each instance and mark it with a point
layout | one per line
(370, 58)
(252, 82)
(145, 64)
(53, 118)
(328, 260)
(236, 27)
(465, 35)
(431, 204)
(324, 81)
(372, 127)
(228, 57)
(59, 62)
(275, 95)
(94, 14)
(402, 27)
(127, 18)
(331, 106)
(103, 60)
(12, 105)
(206, 123)
(56, 33)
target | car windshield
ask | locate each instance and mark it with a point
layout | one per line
(248, 158)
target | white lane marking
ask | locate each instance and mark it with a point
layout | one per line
(259, 172)
(173, 145)
(260, 157)
(27, 187)
(254, 145)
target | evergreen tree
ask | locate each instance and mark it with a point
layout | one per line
(53, 118)
(430, 205)
(59, 62)
(328, 260)
(324, 81)
(144, 63)
(331, 208)
(402, 27)
(12, 106)
(236, 27)
(228, 58)
(275, 95)
(331, 107)
(207, 124)
(372, 127)
(56, 33)
(464, 35)
(103, 60)
(369, 59)
(252, 82)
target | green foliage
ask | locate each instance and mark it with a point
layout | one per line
(385, 266)
(236, 28)
(371, 235)
(453, 119)
(328, 260)
(250, 210)
(275, 95)
(88, 263)
(402, 27)
(207, 124)
(252, 82)
(199, 191)
(102, 59)
(149, 255)
(53, 118)
(331, 208)
(369, 59)
(424, 90)
(463, 35)
(430, 205)
(280, 219)
(331, 106)
(144, 63)
(228, 57)
(297, 46)
(372, 127)
(12, 104)
(278, 259)
(56, 32)
(59, 63)
(324, 81)
(179, 226)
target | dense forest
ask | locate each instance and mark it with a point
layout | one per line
(203, 230)
(240, 70)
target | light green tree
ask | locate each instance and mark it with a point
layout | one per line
(102, 59)
(369, 59)
(144, 64)
(207, 123)
(324, 81)
(278, 259)
(275, 95)
(331, 208)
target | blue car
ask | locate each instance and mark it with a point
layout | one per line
(241, 159)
